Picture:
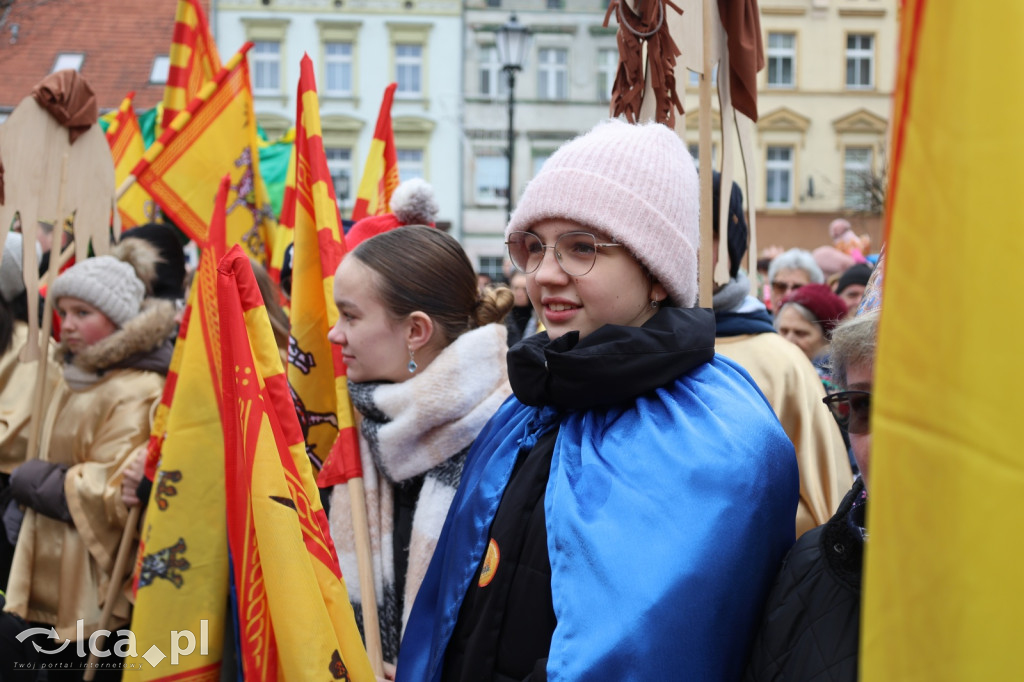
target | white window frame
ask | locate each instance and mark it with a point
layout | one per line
(68, 60)
(266, 67)
(778, 170)
(339, 58)
(492, 266)
(539, 158)
(607, 65)
(855, 195)
(411, 163)
(553, 74)
(490, 178)
(862, 61)
(161, 69)
(694, 77)
(264, 31)
(339, 163)
(492, 79)
(409, 67)
(777, 57)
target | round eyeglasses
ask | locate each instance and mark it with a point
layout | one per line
(851, 409)
(576, 252)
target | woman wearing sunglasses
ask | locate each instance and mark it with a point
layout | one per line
(622, 516)
(812, 619)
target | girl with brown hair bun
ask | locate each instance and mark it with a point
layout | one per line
(425, 352)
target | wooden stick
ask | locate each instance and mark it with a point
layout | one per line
(125, 186)
(116, 579)
(39, 396)
(364, 558)
(705, 259)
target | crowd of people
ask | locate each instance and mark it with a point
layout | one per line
(574, 474)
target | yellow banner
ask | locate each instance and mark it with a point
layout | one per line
(942, 597)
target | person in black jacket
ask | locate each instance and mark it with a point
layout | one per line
(812, 618)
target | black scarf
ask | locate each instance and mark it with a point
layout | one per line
(612, 364)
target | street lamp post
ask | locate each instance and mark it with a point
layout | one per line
(512, 41)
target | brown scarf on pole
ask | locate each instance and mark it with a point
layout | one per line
(646, 23)
(66, 95)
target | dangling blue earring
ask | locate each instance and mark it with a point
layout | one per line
(412, 363)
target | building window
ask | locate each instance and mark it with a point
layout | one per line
(493, 81)
(266, 67)
(539, 158)
(779, 177)
(695, 77)
(860, 61)
(410, 163)
(491, 178)
(857, 178)
(68, 60)
(492, 267)
(494, 3)
(161, 69)
(409, 70)
(339, 164)
(553, 74)
(607, 64)
(781, 60)
(556, 4)
(338, 69)
(694, 149)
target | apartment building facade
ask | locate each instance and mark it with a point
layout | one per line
(824, 99)
(358, 47)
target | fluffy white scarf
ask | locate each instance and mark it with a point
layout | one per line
(422, 426)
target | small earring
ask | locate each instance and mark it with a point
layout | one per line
(654, 303)
(412, 362)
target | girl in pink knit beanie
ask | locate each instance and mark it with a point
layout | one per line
(623, 514)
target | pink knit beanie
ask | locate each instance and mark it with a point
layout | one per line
(635, 182)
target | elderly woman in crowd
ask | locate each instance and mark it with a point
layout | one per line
(806, 318)
(790, 271)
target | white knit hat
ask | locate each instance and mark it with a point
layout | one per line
(12, 279)
(105, 282)
(635, 182)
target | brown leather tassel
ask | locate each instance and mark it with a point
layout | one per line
(646, 23)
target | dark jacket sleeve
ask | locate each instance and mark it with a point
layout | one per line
(39, 485)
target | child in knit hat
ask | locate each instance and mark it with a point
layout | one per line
(115, 351)
(623, 515)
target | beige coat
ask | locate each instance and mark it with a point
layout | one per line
(17, 382)
(61, 571)
(791, 384)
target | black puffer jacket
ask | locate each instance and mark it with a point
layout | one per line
(812, 618)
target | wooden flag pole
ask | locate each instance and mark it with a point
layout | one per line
(116, 579)
(364, 558)
(125, 186)
(38, 351)
(705, 260)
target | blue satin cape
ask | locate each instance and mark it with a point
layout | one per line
(667, 521)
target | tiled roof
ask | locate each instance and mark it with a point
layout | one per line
(119, 38)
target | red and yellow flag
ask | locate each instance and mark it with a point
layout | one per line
(380, 174)
(942, 585)
(194, 60)
(124, 136)
(214, 136)
(295, 619)
(316, 370)
(181, 578)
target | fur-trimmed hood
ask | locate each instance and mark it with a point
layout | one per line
(142, 335)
